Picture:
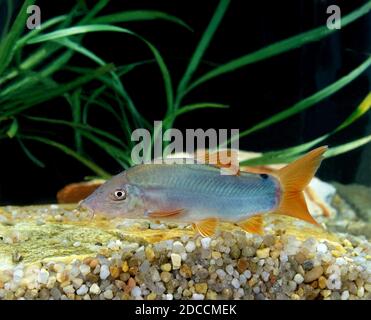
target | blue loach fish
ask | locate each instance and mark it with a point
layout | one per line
(199, 194)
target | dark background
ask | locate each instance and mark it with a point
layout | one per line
(253, 93)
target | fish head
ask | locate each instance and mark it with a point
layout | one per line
(116, 197)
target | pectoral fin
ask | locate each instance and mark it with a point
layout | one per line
(206, 227)
(253, 224)
(164, 213)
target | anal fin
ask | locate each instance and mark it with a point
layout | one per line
(206, 227)
(252, 225)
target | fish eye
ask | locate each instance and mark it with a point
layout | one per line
(119, 195)
(264, 176)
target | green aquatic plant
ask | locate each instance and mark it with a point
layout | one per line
(29, 62)
(65, 39)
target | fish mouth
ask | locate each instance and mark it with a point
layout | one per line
(84, 209)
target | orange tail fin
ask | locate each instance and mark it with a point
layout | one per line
(294, 178)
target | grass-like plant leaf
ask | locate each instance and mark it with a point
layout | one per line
(13, 129)
(311, 100)
(104, 28)
(357, 113)
(29, 154)
(202, 46)
(346, 147)
(37, 98)
(6, 23)
(71, 31)
(48, 49)
(80, 127)
(75, 103)
(286, 155)
(191, 107)
(118, 154)
(45, 25)
(280, 47)
(287, 158)
(7, 45)
(94, 11)
(116, 83)
(139, 15)
(88, 163)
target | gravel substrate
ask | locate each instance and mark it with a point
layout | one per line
(231, 265)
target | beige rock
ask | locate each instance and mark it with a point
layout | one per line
(313, 274)
(166, 267)
(322, 282)
(263, 253)
(201, 287)
(150, 254)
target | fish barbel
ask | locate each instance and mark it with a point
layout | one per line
(200, 194)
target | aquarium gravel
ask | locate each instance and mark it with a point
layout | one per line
(294, 264)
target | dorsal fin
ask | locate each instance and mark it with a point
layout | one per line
(225, 159)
